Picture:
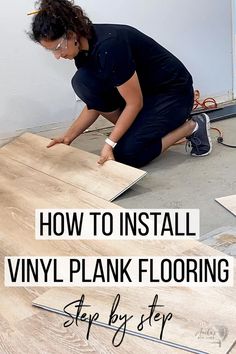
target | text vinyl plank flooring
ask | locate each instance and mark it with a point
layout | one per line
(229, 203)
(73, 166)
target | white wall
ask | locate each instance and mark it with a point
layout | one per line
(35, 88)
(198, 32)
(234, 46)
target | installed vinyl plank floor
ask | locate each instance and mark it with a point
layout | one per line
(43, 333)
(22, 189)
(229, 203)
(179, 301)
(73, 166)
(194, 313)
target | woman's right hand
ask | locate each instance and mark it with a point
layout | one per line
(60, 140)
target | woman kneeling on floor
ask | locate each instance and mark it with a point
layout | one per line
(128, 78)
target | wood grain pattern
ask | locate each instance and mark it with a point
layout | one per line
(22, 189)
(73, 166)
(43, 333)
(190, 307)
(233, 349)
(229, 203)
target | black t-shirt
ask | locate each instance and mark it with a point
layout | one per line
(117, 51)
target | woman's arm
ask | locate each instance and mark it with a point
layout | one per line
(86, 118)
(132, 94)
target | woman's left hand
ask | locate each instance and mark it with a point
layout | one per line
(106, 154)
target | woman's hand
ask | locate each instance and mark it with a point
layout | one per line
(85, 119)
(60, 140)
(106, 154)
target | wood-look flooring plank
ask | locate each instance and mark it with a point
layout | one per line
(40, 334)
(229, 203)
(44, 333)
(36, 333)
(22, 189)
(38, 187)
(193, 311)
(233, 349)
(73, 166)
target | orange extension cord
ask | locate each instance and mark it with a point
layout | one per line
(205, 104)
(208, 103)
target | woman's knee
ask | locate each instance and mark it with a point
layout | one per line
(80, 88)
(137, 155)
(74, 82)
(125, 153)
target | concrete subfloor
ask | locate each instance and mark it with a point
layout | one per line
(177, 180)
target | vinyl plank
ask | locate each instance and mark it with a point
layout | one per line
(176, 297)
(44, 333)
(233, 349)
(33, 189)
(193, 313)
(25, 318)
(73, 166)
(39, 334)
(229, 203)
(22, 189)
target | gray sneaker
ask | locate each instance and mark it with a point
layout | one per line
(200, 140)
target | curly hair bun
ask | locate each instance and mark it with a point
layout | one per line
(56, 17)
(55, 5)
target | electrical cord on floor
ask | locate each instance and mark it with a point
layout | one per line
(220, 139)
(206, 104)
